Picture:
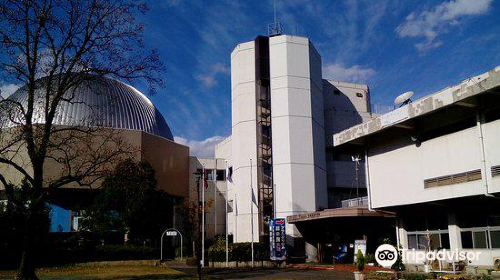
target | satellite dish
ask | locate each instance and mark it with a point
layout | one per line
(404, 98)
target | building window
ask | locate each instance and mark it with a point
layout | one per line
(221, 175)
(466, 237)
(209, 173)
(359, 94)
(481, 238)
(230, 174)
(423, 239)
(495, 239)
(480, 230)
(230, 206)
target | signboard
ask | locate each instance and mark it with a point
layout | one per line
(277, 240)
(171, 233)
(359, 244)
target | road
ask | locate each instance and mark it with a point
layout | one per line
(245, 273)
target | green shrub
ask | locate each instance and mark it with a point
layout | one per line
(399, 265)
(192, 261)
(417, 276)
(370, 258)
(217, 252)
(360, 260)
(239, 252)
(486, 277)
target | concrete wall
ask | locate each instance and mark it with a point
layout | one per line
(297, 124)
(398, 167)
(170, 162)
(223, 150)
(215, 194)
(345, 105)
(169, 159)
(491, 136)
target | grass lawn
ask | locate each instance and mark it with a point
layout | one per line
(147, 270)
(105, 270)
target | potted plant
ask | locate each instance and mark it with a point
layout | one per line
(360, 264)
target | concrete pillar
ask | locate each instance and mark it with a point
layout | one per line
(244, 140)
(311, 252)
(454, 232)
(402, 233)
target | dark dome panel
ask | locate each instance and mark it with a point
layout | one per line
(102, 102)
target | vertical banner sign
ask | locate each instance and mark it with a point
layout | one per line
(277, 239)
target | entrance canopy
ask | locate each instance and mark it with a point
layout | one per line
(354, 211)
(333, 232)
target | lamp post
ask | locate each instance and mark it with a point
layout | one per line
(198, 247)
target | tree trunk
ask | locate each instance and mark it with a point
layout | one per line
(32, 234)
(27, 266)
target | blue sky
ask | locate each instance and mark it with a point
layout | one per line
(393, 46)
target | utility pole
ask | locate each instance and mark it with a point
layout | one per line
(227, 201)
(214, 178)
(203, 218)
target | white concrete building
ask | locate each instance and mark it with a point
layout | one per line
(436, 163)
(283, 117)
(433, 163)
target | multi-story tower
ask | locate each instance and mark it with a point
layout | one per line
(297, 126)
(277, 148)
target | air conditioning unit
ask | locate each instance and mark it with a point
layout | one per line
(496, 263)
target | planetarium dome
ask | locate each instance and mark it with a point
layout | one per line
(101, 102)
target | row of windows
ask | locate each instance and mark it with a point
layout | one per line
(482, 238)
(472, 238)
(433, 240)
(338, 92)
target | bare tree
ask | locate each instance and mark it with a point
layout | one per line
(52, 47)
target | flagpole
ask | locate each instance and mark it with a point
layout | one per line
(214, 177)
(251, 208)
(227, 197)
(203, 221)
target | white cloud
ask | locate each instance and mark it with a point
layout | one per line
(209, 79)
(431, 23)
(353, 74)
(7, 89)
(202, 149)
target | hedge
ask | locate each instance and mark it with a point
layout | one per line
(238, 251)
(124, 252)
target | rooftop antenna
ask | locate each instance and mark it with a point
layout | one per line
(356, 159)
(275, 28)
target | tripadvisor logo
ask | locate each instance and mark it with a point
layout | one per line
(386, 255)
